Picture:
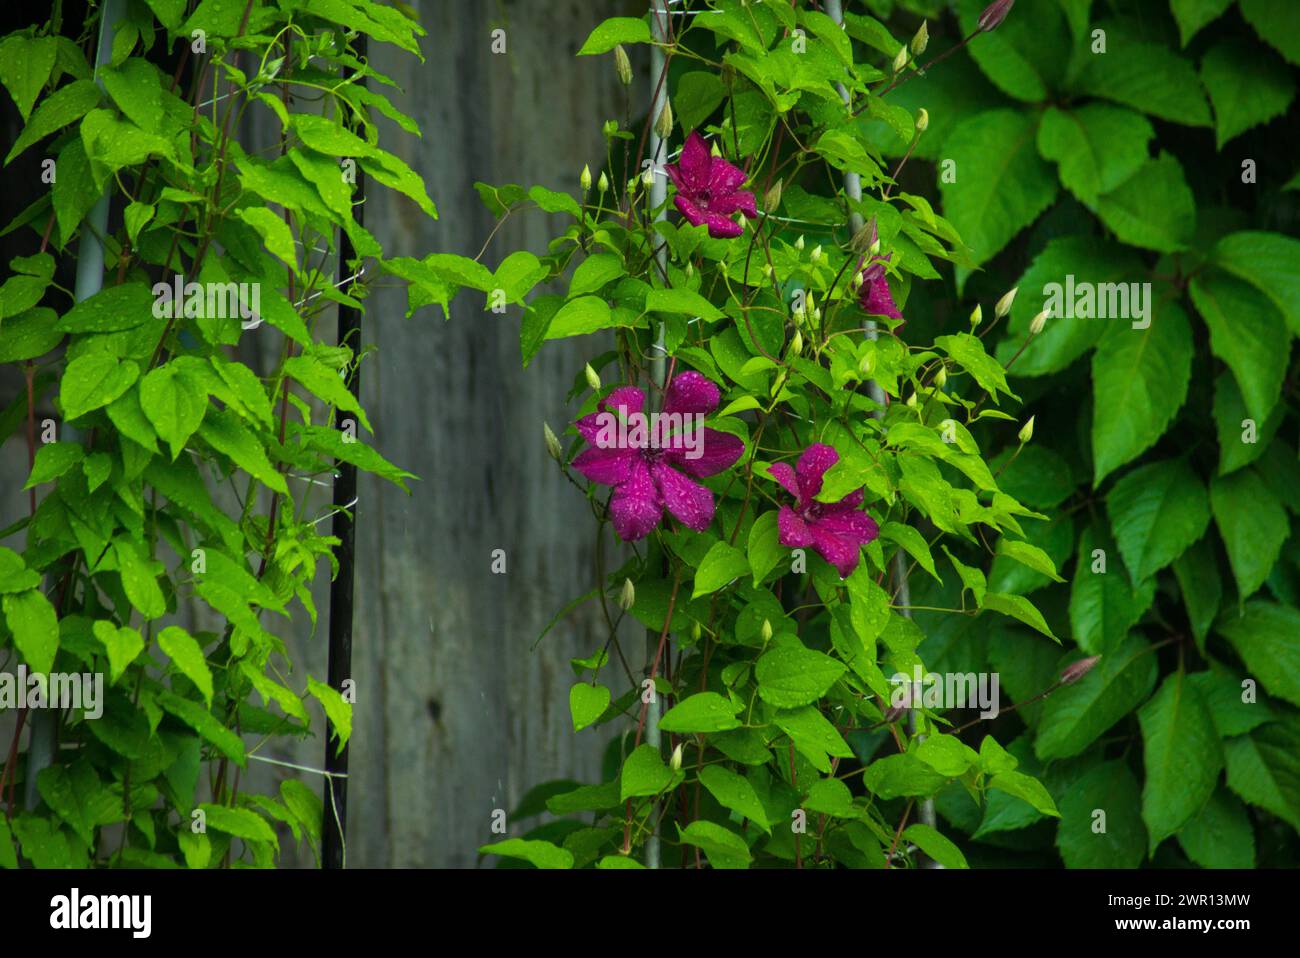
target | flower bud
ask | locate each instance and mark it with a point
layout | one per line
(714, 150)
(941, 377)
(664, 125)
(773, 197)
(602, 184)
(623, 65)
(1078, 670)
(976, 317)
(593, 380)
(993, 15)
(816, 254)
(690, 270)
(648, 178)
(859, 278)
(867, 364)
(609, 129)
(766, 632)
(796, 344)
(921, 39)
(817, 314)
(1037, 323)
(922, 120)
(1027, 430)
(911, 400)
(1004, 304)
(585, 179)
(798, 244)
(767, 270)
(696, 631)
(675, 763)
(552, 443)
(900, 61)
(874, 248)
(631, 184)
(627, 598)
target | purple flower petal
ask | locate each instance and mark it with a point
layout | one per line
(853, 525)
(625, 400)
(723, 177)
(792, 531)
(718, 451)
(783, 473)
(814, 462)
(720, 227)
(694, 215)
(609, 467)
(735, 202)
(696, 162)
(839, 551)
(851, 501)
(635, 507)
(690, 503)
(691, 392)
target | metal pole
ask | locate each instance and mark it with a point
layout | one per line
(853, 187)
(333, 843)
(658, 194)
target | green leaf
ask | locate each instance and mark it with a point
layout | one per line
(1097, 146)
(971, 578)
(1181, 755)
(736, 793)
(305, 805)
(174, 405)
(274, 232)
(337, 709)
(1104, 605)
(538, 853)
(1273, 21)
(721, 565)
(185, 653)
(35, 627)
(1264, 635)
(930, 841)
(53, 459)
(1197, 571)
(1154, 208)
(577, 317)
(1220, 835)
(1242, 439)
(1247, 86)
(1248, 334)
(326, 384)
(594, 272)
(968, 352)
(94, 380)
(614, 31)
(830, 796)
(791, 677)
(1140, 379)
(1086, 839)
(1002, 184)
(587, 703)
(912, 542)
(1018, 607)
(1191, 15)
(1146, 76)
(644, 773)
(724, 848)
(1075, 716)
(896, 776)
(1264, 768)
(55, 112)
(29, 335)
(25, 65)
(14, 574)
(224, 431)
(1026, 56)
(205, 723)
(74, 191)
(122, 646)
(1028, 555)
(1252, 523)
(701, 712)
(1268, 261)
(240, 822)
(699, 93)
(1157, 511)
(814, 736)
(140, 578)
(682, 301)
(764, 547)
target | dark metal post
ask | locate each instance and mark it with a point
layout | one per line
(344, 528)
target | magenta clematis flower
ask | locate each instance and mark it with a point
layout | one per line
(651, 473)
(874, 296)
(837, 530)
(707, 189)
